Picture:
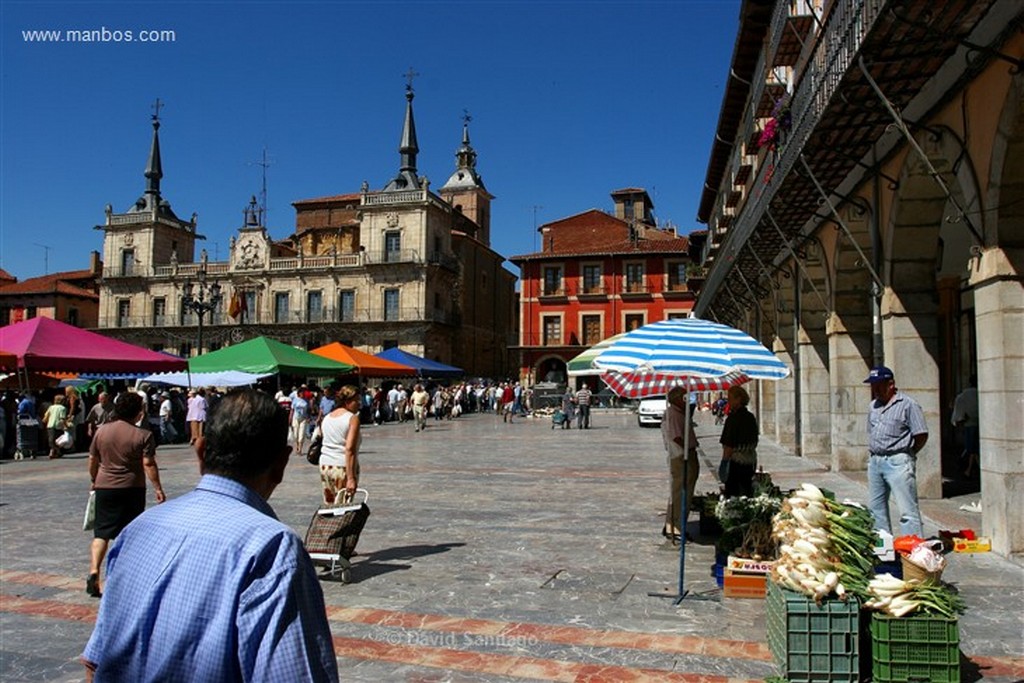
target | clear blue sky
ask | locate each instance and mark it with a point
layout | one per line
(570, 100)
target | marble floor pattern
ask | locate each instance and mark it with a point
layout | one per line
(494, 552)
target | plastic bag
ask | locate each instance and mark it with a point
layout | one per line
(65, 441)
(89, 520)
(926, 556)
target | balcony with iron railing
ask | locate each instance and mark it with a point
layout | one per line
(829, 62)
(322, 315)
(281, 265)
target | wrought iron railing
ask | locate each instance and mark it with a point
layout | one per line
(835, 49)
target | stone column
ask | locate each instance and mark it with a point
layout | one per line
(815, 432)
(910, 338)
(785, 414)
(766, 407)
(999, 320)
(849, 396)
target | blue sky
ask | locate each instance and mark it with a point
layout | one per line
(570, 100)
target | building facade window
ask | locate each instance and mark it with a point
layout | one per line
(159, 312)
(592, 278)
(591, 325)
(633, 321)
(248, 307)
(30, 312)
(392, 246)
(314, 306)
(677, 276)
(281, 307)
(391, 310)
(127, 262)
(124, 312)
(73, 316)
(552, 280)
(552, 330)
(634, 277)
(347, 305)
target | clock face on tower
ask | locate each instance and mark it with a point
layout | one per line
(250, 253)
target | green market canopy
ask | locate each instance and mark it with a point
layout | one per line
(583, 364)
(263, 355)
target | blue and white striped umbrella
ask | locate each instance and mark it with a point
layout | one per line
(691, 347)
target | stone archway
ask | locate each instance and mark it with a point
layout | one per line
(919, 300)
(997, 281)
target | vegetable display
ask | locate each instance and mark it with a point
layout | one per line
(825, 547)
(747, 525)
(900, 598)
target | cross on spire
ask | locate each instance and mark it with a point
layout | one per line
(409, 75)
(466, 118)
(156, 109)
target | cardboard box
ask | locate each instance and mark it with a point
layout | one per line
(742, 585)
(748, 566)
(884, 549)
(982, 544)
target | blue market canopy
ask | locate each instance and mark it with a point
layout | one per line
(424, 366)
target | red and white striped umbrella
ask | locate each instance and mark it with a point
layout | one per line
(640, 383)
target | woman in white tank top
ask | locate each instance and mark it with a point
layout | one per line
(339, 457)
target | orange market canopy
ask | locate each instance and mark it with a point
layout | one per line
(366, 365)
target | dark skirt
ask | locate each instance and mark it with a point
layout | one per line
(115, 509)
(740, 481)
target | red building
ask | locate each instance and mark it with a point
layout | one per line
(597, 274)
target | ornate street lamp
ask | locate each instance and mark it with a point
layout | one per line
(205, 300)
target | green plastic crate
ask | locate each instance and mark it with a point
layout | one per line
(915, 648)
(812, 643)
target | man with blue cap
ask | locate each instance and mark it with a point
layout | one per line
(896, 432)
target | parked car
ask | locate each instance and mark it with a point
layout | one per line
(651, 411)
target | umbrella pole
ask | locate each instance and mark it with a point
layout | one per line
(683, 512)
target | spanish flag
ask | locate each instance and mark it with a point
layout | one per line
(235, 307)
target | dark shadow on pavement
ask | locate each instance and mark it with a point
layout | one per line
(385, 561)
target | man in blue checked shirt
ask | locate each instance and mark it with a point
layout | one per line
(211, 586)
(896, 432)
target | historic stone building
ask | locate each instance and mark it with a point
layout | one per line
(864, 199)
(401, 266)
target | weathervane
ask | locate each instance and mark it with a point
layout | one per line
(409, 75)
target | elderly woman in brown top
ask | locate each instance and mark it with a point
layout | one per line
(121, 458)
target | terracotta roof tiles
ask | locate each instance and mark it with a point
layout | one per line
(54, 283)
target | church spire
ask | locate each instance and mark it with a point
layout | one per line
(465, 176)
(465, 156)
(154, 169)
(151, 202)
(408, 148)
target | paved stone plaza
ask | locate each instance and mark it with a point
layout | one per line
(494, 552)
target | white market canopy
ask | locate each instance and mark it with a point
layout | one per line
(225, 378)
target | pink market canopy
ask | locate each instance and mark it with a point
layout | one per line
(50, 345)
(639, 383)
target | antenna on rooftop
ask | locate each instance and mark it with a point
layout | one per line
(264, 163)
(535, 207)
(46, 257)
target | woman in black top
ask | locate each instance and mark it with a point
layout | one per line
(739, 445)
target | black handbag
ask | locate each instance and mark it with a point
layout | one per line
(313, 454)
